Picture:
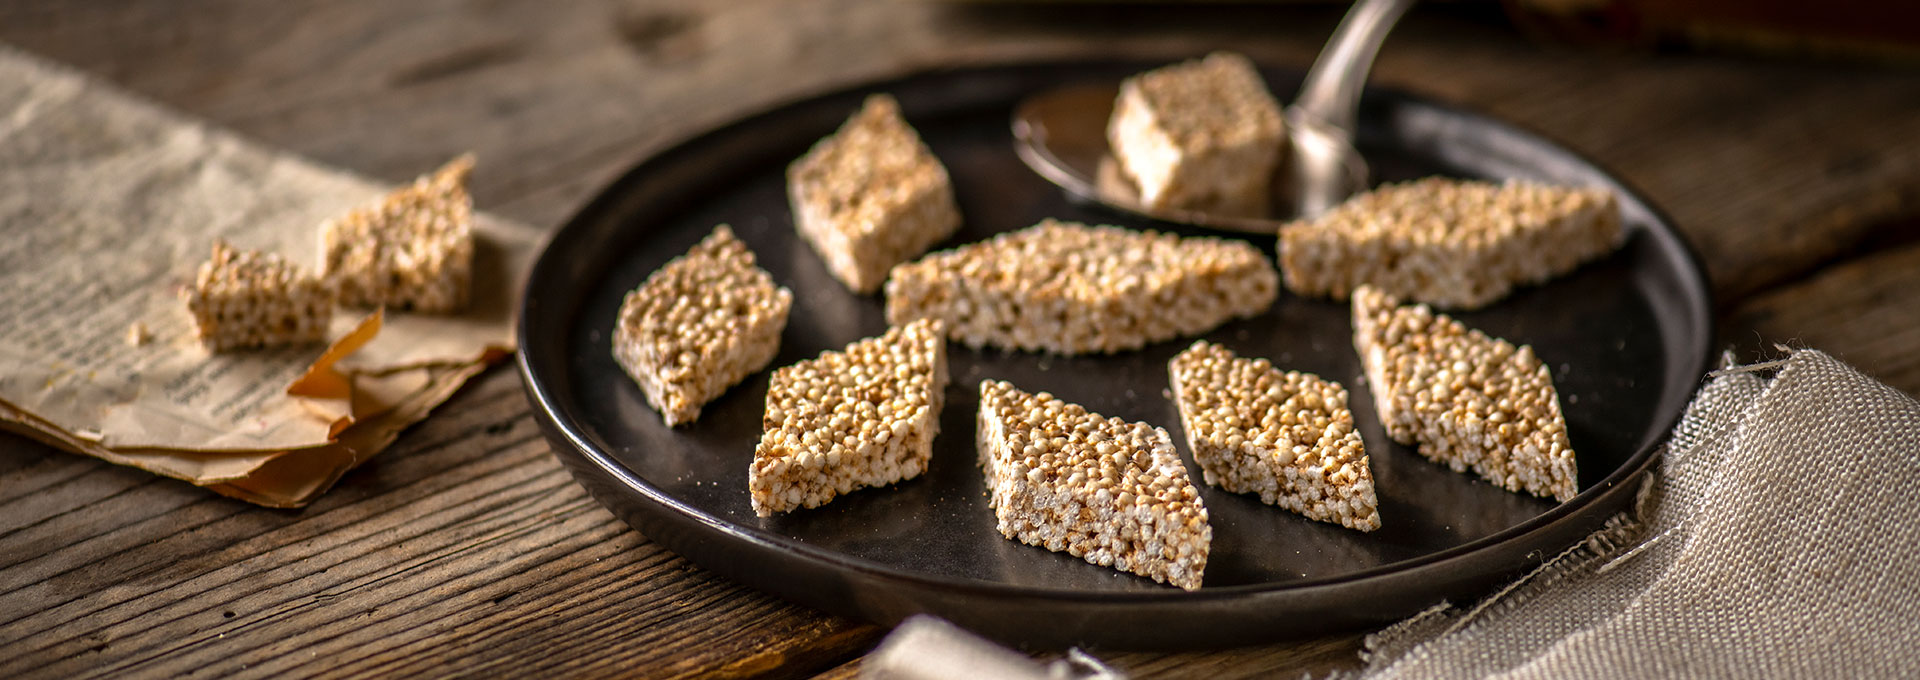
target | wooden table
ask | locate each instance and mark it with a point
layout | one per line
(467, 549)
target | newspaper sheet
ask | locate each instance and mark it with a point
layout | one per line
(108, 205)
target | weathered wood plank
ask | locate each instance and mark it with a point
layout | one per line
(465, 547)
(1865, 312)
(1770, 167)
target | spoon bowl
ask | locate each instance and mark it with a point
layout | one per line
(1062, 137)
(1061, 134)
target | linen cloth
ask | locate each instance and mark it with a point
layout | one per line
(1781, 539)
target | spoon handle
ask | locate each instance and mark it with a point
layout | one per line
(1331, 93)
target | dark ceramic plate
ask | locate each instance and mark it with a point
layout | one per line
(1627, 338)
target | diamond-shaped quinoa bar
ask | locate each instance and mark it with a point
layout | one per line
(1284, 435)
(871, 196)
(1102, 489)
(1469, 400)
(698, 325)
(864, 416)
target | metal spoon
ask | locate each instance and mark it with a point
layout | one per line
(1061, 134)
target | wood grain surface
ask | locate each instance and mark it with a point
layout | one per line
(467, 550)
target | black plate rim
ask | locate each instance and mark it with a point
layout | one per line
(1697, 296)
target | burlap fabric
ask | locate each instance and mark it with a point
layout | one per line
(1781, 539)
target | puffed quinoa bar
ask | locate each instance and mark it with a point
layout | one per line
(1285, 435)
(1447, 242)
(1068, 288)
(871, 196)
(698, 325)
(1468, 399)
(251, 299)
(1202, 135)
(1102, 489)
(413, 250)
(862, 417)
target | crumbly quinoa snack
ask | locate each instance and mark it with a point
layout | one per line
(1069, 288)
(698, 325)
(871, 196)
(1285, 435)
(865, 416)
(1469, 400)
(1108, 491)
(413, 250)
(1202, 135)
(1448, 242)
(247, 298)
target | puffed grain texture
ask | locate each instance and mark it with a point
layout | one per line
(1201, 135)
(862, 417)
(1447, 242)
(871, 196)
(1102, 489)
(1069, 288)
(411, 251)
(1287, 436)
(700, 324)
(242, 299)
(1468, 400)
